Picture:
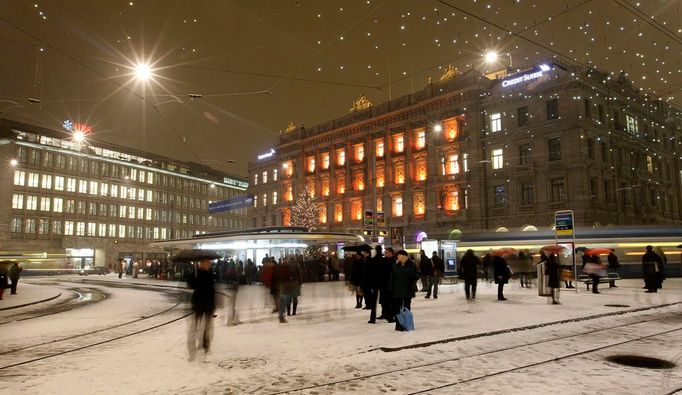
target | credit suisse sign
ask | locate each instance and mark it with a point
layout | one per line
(530, 75)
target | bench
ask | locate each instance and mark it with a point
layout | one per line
(610, 278)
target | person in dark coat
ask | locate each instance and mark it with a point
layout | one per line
(502, 275)
(203, 306)
(468, 271)
(425, 273)
(296, 281)
(552, 271)
(14, 274)
(4, 272)
(356, 279)
(367, 277)
(372, 279)
(660, 274)
(613, 266)
(402, 280)
(486, 263)
(385, 297)
(438, 270)
(650, 266)
(282, 285)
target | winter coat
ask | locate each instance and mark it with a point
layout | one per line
(15, 272)
(438, 265)
(296, 277)
(282, 280)
(402, 280)
(356, 271)
(425, 266)
(552, 270)
(372, 276)
(468, 267)
(501, 270)
(613, 261)
(651, 263)
(203, 297)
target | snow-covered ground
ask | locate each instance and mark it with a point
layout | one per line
(330, 348)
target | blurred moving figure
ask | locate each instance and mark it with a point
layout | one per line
(613, 266)
(502, 275)
(552, 270)
(119, 267)
(438, 271)
(356, 279)
(281, 286)
(651, 263)
(660, 275)
(468, 271)
(296, 278)
(426, 272)
(203, 306)
(14, 274)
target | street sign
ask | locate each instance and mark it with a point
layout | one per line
(380, 219)
(231, 204)
(369, 218)
(563, 221)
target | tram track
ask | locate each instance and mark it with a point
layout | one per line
(82, 297)
(434, 365)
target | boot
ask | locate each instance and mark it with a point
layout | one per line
(288, 308)
(358, 301)
(294, 310)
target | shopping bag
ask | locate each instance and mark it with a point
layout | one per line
(405, 319)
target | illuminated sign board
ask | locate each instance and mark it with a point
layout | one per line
(236, 183)
(531, 75)
(77, 127)
(231, 204)
(267, 154)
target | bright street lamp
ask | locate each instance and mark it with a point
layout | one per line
(13, 162)
(491, 56)
(143, 71)
(79, 136)
(438, 128)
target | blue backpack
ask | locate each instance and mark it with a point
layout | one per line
(405, 319)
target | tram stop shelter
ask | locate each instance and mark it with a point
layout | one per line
(254, 244)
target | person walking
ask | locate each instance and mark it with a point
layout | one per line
(296, 280)
(282, 286)
(613, 267)
(119, 268)
(203, 306)
(14, 274)
(372, 278)
(401, 282)
(486, 263)
(650, 267)
(438, 270)
(356, 279)
(596, 270)
(385, 297)
(425, 273)
(660, 274)
(552, 271)
(502, 274)
(468, 271)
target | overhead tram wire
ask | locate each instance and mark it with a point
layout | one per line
(649, 20)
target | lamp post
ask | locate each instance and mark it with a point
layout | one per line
(492, 56)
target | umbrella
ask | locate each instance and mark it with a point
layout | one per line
(598, 251)
(504, 251)
(194, 255)
(581, 249)
(357, 247)
(679, 246)
(554, 248)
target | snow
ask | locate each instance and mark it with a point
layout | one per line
(331, 341)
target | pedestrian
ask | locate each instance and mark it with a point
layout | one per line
(372, 279)
(267, 276)
(660, 275)
(596, 270)
(468, 271)
(385, 297)
(296, 277)
(425, 273)
(650, 267)
(356, 279)
(438, 271)
(203, 307)
(613, 267)
(487, 263)
(401, 283)
(336, 267)
(281, 283)
(3, 277)
(552, 271)
(14, 274)
(502, 274)
(119, 268)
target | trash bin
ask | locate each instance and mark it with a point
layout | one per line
(543, 281)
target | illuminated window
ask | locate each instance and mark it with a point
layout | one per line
(341, 184)
(286, 217)
(33, 180)
(650, 164)
(310, 164)
(80, 229)
(380, 204)
(255, 179)
(379, 148)
(495, 122)
(338, 212)
(419, 139)
(325, 161)
(359, 181)
(498, 161)
(356, 210)
(31, 202)
(274, 197)
(288, 168)
(398, 143)
(94, 187)
(340, 157)
(274, 175)
(30, 225)
(399, 173)
(451, 129)
(631, 124)
(19, 178)
(397, 205)
(46, 181)
(453, 164)
(358, 152)
(325, 187)
(420, 170)
(82, 186)
(323, 213)
(465, 162)
(43, 226)
(381, 181)
(451, 201)
(288, 193)
(419, 205)
(45, 203)
(265, 176)
(17, 201)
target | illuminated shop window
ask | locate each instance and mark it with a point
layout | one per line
(397, 205)
(451, 200)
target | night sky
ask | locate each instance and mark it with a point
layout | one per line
(259, 64)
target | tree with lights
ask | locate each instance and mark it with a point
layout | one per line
(305, 212)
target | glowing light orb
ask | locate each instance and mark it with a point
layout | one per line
(143, 71)
(78, 136)
(491, 56)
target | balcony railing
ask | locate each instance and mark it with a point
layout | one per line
(554, 206)
(526, 208)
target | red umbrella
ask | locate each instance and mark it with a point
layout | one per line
(554, 248)
(598, 251)
(504, 251)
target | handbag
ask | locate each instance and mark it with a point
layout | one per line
(405, 319)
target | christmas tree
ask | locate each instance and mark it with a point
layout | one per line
(305, 212)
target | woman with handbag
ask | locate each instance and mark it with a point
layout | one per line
(404, 276)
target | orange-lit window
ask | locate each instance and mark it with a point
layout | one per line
(310, 164)
(420, 170)
(398, 143)
(288, 193)
(379, 148)
(325, 161)
(380, 204)
(340, 157)
(286, 217)
(359, 181)
(323, 213)
(341, 184)
(311, 187)
(325, 187)
(399, 173)
(452, 165)
(356, 210)
(381, 181)
(451, 129)
(419, 139)
(288, 168)
(359, 152)
(451, 201)
(397, 205)
(338, 212)
(419, 205)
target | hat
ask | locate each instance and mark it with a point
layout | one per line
(402, 252)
